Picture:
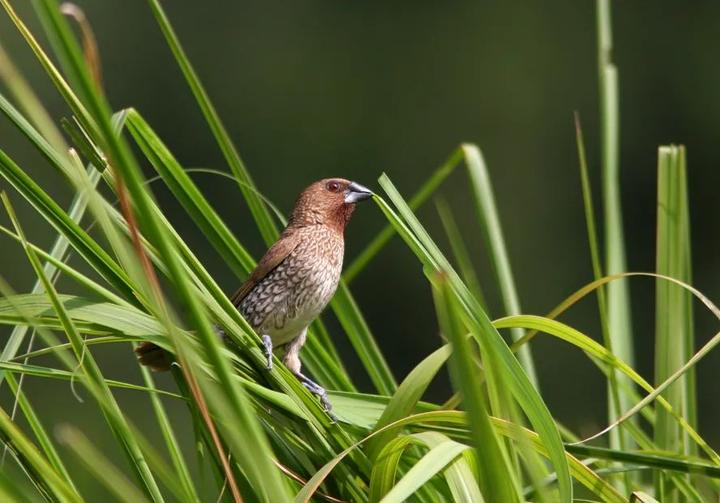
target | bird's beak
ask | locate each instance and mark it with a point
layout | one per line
(356, 193)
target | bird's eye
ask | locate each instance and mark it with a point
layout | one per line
(333, 186)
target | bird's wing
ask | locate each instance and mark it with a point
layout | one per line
(278, 252)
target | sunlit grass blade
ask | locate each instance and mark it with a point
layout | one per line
(457, 421)
(647, 459)
(399, 459)
(618, 297)
(496, 354)
(489, 223)
(496, 478)
(187, 193)
(422, 194)
(67, 375)
(95, 381)
(29, 102)
(262, 216)
(99, 466)
(58, 251)
(489, 220)
(617, 396)
(408, 394)
(10, 490)
(358, 332)
(674, 340)
(87, 247)
(596, 350)
(460, 251)
(171, 439)
(54, 482)
(443, 452)
(38, 429)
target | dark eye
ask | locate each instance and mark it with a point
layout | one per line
(333, 186)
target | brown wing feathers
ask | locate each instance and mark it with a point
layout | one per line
(272, 258)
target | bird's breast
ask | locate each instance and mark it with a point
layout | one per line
(291, 296)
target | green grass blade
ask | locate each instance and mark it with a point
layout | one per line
(647, 459)
(618, 297)
(99, 466)
(95, 381)
(460, 251)
(495, 475)
(362, 340)
(489, 219)
(615, 388)
(60, 489)
(29, 102)
(408, 394)
(596, 350)
(62, 86)
(422, 195)
(436, 460)
(38, 430)
(58, 251)
(11, 491)
(66, 375)
(88, 248)
(170, 438)
(492, 345)
(187, 193)
(262, 216)
(458, 419)
(674, 338)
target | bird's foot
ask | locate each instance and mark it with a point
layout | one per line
(320, 392)
(267, 343)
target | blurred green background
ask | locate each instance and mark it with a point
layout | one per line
(318, 88)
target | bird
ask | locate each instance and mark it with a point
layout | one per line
(295, 279)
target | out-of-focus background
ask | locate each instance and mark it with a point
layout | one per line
(318, 88)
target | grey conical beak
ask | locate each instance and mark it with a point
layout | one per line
(356, 193)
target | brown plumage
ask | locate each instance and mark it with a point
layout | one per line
(296, 278)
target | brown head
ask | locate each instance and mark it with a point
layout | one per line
(329, 202)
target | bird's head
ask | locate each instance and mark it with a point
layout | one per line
(330, 202)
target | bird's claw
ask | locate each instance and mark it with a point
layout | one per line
(321, 393)
(268, 345)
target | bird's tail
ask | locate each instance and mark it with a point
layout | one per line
(153, 356)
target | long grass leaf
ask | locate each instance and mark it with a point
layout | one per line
(496, 353)
(38, 429)
(58, 251)
(408, 394)
(436, 460)
(460, 251)
(489, 219)
(618, 297)
(421, 195)
(496, 478)
(615, 387)
(60, 489)
(99, 466)
(596, 350)
(262, 216)
(674, 341)
(96, 383)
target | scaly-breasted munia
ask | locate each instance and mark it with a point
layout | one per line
(296, 278)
